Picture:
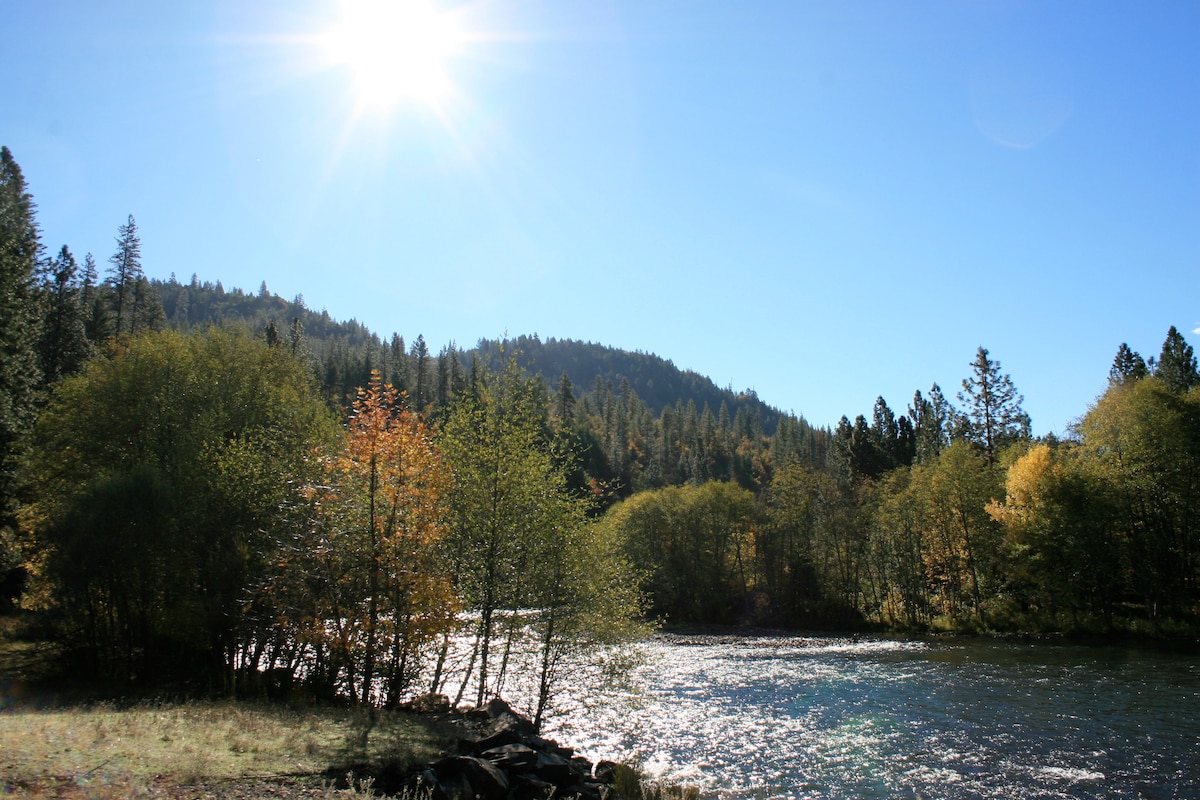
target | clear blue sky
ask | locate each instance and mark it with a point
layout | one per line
(822, 201)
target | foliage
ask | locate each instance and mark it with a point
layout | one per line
(169, 532)
(1143, 441)
(360, 579)
(523, 553)
(162, 467)
(696, 546)
(20, 374)
(993, 416)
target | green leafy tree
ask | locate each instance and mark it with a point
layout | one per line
(794, 548)
(897, 558)
(162, 470)
(1064, 545)
(506, 484)
(695, 544)
(586, 594)
(1144, 440)
(962, 544)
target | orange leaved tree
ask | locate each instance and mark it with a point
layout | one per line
(369, 597)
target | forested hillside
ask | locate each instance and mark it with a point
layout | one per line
(214, 487)
(639, 420)
(657, 381)
(347, 351)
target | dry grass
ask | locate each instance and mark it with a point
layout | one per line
(161, 749)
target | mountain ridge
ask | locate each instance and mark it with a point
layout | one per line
(344, 352)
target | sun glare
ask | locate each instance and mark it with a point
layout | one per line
(395, 49)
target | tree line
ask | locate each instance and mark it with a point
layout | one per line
(187, 509)
(291, 501)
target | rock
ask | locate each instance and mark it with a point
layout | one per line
(529, 787)
(557, 770)
(504, 737)
(504, 718)
(512, 757)
(467, 777)
(508, 761)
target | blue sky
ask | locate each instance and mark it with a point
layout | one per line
(822, 201)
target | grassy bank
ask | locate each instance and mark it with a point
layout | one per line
(58, 738)
(213, 749)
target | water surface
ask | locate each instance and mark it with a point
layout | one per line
(881, 718)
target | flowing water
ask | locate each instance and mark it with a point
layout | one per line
(879, 718)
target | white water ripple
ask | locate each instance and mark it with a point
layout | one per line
(835, 717)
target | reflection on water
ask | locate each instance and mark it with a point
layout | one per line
(814, 717)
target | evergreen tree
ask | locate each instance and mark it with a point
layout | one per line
(147, 312)
(1176, 366)
(885, 435)
(1127, 367)
(422, 378)
(95, 309)
(398, 358)
(992, 414)
(931, 420)
(20, 255)
(64, 346)
(564, 404)
(124, 273)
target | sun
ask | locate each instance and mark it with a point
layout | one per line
(395, 49)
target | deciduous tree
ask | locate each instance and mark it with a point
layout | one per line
(367, 583)
(173, 455)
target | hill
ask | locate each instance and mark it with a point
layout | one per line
(345, 352)
(657, 381)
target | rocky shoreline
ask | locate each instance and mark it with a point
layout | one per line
(501, 757)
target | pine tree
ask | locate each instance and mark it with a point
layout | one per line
(148, 314)
(20, 256)
(125, 271)
(64, 346)
(1176, 366)
(992, 412)
(1127, 367)
(564, 403)
(931, 421)
(95, 309)
(422, 379)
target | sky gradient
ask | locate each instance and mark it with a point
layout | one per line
(823, 201)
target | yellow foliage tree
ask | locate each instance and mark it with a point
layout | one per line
(372, 593)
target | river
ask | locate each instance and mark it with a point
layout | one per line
(789, 717)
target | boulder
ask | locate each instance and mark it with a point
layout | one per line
(470, 778)
(507, 760)
(512, 757)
